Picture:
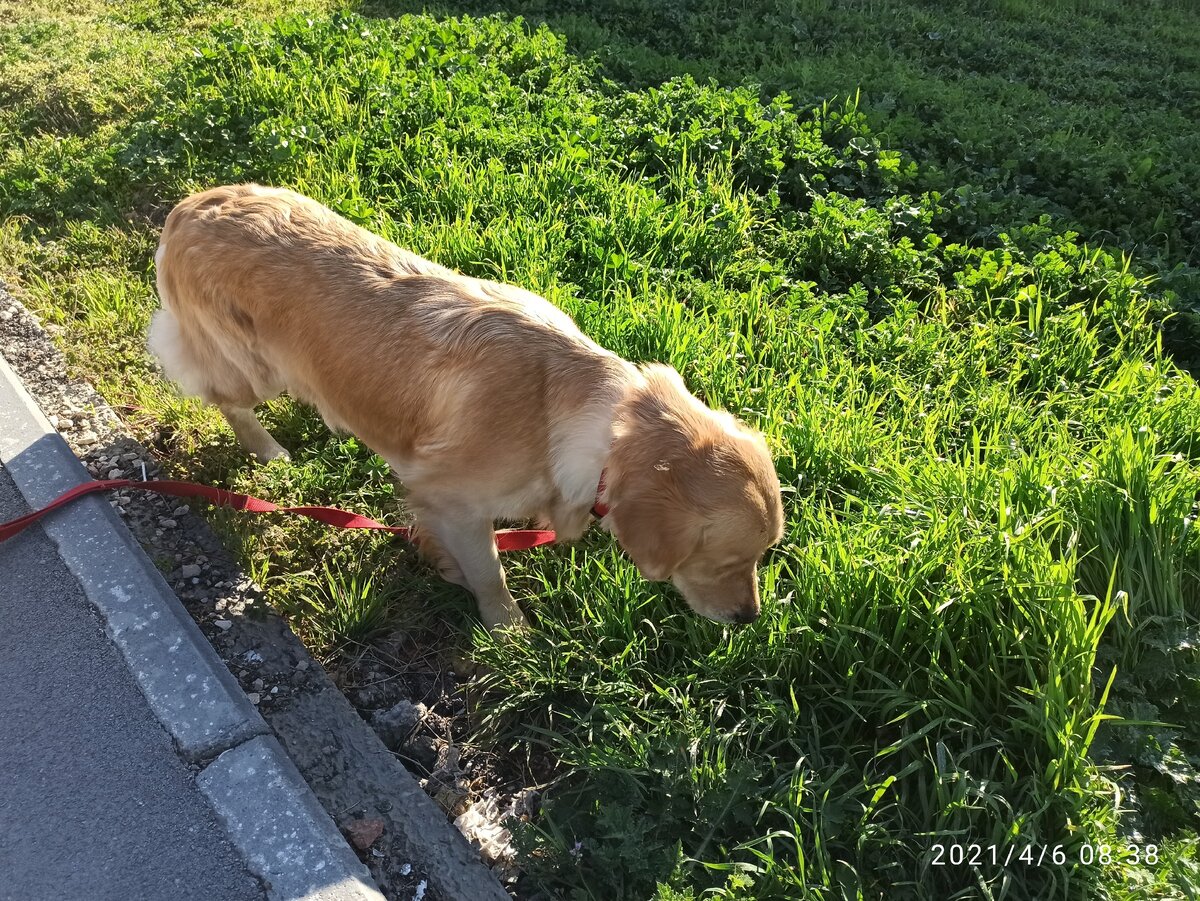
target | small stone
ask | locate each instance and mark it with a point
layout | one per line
(253, 697)
(253, 658)
(223, 624)
(87, 438)
(397, 724)
(422, 749)
(258, 684)
(168, 523)
(363, 833)
(181, 510)
(114, 473)
(60, 422)
(190, 571)
(302, 665)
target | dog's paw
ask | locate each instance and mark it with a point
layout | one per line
(447, 567)
(267, 454)
(509, 621)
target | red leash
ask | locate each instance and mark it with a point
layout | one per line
(506, 539)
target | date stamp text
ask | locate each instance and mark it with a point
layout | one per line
(1032, 855)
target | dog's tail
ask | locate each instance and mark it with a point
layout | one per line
(166, 340)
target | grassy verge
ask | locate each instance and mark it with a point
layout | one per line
(991, 465)
(1081, 110)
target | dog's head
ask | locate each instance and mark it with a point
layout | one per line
(693, 497)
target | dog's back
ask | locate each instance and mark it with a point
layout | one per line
(234, 264)
(264, 290)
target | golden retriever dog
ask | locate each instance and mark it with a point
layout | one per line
(487, 401)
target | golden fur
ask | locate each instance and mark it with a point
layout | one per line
(486, 400)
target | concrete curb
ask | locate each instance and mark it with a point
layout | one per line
(186, 685)
(298, 841)
(350, 763)
(190, 691)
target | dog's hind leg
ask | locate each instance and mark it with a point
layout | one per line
(200, 368)
(251, 434)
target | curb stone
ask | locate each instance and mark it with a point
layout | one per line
(296, 846)
(195, 698)
(339, 755)
(189, 690)
(351, 763)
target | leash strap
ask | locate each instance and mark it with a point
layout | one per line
(506, 539)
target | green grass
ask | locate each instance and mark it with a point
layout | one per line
(991, 464)
(1079, 109)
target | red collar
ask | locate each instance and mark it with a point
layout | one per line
(600, 509)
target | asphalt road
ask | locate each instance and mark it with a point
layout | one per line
(94, 802)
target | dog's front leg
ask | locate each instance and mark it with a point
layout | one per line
(569, 522)
(471, 544)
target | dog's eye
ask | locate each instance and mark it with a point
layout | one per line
(731, 568)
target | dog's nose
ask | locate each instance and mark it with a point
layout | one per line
(744, 617)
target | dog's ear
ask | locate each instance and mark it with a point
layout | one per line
(658, 537)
